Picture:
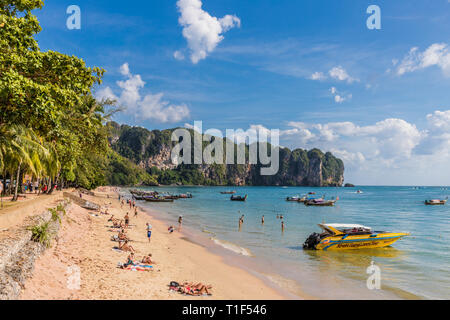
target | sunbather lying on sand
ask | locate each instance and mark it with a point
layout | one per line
(124, 246)
(193, 289)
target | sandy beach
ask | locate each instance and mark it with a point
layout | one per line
(84, 242)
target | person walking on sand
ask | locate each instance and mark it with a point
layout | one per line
(149, 232)
(127, 220)
(180, 222)
(135, 211)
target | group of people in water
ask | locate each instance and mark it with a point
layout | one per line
(279, 216)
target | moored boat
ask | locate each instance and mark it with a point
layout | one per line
(320, 202)
(185, 196)
(296, 199)
(238, 198)
(435, 202)
(228, 192)
(141, 193)
(157, 199)
(337, 236)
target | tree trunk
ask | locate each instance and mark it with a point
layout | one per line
(3, 189)
(4, 183)
(49, 183)
(20, 185)
(55, 183)
(17, 182)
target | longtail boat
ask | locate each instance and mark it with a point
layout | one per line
(238, 198)
(296, 199)
(185, 196)
(435, 202)
(320, 202)
(228, 192)
(157, 199)
(337, 236)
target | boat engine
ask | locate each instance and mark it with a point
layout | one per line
(312, 241)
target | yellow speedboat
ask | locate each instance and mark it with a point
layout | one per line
(337, 236)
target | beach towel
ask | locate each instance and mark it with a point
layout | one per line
(138, 267)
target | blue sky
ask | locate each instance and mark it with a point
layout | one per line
(310, 68)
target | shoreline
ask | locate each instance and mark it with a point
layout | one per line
(83, 241)
(290, 289)
(304, 283)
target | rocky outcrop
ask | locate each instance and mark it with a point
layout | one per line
(161, 160)
(151, 150)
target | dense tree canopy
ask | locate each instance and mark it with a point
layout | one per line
(48, 95)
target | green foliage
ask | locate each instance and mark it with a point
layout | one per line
(60, 208)
(41, 233)
(55, 215)
(122, 172)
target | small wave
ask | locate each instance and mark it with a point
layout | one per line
(232, 247)
(209, 232)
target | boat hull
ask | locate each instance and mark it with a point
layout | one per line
(320, 204)
(335, 243)
(440, 203)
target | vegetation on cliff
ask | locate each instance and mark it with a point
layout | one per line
(148, 149)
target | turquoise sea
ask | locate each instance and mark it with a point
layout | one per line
(415, 267)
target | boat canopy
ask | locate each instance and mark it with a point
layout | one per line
(345, 226)
(337, 228)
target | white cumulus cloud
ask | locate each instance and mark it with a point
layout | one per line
(339, 97)
(438, 54)
(202, 31)
(318, 76)
(150, 107)
(339, 73)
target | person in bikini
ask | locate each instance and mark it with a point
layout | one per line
(147, 259)
(195, 289)
(122, 235)
(130, 261)
(125, 246)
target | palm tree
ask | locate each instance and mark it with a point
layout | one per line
(22, 148)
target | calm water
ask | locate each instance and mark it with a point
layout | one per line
(414, 266)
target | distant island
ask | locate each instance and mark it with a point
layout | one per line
(349, 185)
(150, 151)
